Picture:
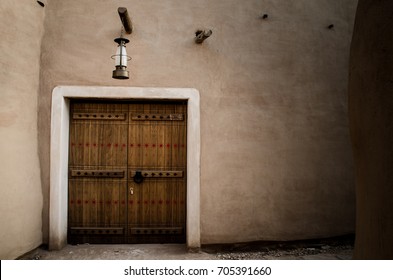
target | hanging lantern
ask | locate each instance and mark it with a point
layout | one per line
(121, 59)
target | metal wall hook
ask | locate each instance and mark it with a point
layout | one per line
(202, 35)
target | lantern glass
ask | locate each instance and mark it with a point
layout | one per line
(121, 56)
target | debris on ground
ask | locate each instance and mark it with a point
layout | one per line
(335, 248)
(336, 252)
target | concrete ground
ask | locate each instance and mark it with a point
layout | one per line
(296, 251)
(119, 252)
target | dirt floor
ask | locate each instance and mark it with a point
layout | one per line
(328, 249)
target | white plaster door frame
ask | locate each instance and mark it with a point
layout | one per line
(60, 119)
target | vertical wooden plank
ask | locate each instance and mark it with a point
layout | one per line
(108, 205)
(71, 203)
(79, 202)
(160, 164)
(183, 138)
(182, 159)
(90, 205)
(123, 205)
(155, 193)
(115, 206)
(161, 146)
(135, 139)
(138, 205)
(100, 205)
(153, 221)
(168, 139)
(175, 137)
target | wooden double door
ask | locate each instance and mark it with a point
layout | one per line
(127, 172)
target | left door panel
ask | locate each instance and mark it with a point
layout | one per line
(97, 192)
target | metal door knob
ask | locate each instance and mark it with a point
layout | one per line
(138, 178)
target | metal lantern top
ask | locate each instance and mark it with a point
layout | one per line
(121, 39)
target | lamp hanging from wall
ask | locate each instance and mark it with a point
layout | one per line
(121, 58)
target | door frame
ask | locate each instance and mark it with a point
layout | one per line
(60, 123)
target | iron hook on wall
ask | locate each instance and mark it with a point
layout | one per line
(202, 35)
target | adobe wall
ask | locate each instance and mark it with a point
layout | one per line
(21, 197)
(276, 159)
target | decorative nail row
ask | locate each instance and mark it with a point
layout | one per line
(98, 173)
(123, 202)
(156, 230)
(99, 116)
(156, 117)
(158, 174)
(122, 116)
(116, 145)
(98, 230)
(107, 230)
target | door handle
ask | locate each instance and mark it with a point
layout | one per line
(138, 178)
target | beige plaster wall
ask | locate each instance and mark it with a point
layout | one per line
(21, 30)
(276, 158)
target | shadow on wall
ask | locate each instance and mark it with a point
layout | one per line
(371, 115)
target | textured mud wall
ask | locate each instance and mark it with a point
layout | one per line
(276, 158)
(21, 29)
(371, 115)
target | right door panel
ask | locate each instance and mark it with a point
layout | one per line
(157, 151)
